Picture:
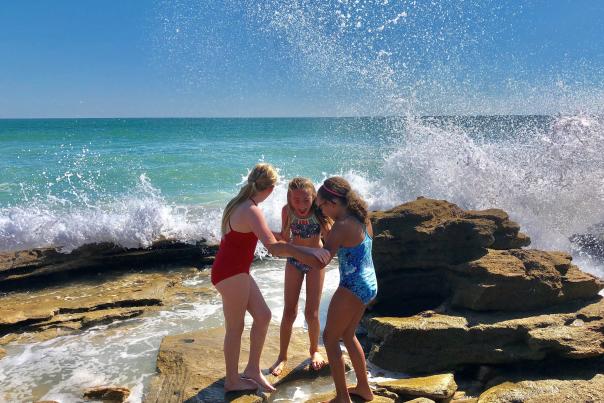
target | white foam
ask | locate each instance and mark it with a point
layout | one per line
(132, 221)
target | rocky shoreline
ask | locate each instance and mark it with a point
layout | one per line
(464, 308)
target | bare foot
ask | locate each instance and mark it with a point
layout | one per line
(317, 361)
(278, 367)
(259, 378)
(336, 400)
(241, 384)
(365, 394)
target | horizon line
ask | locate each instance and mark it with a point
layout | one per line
(278, 117)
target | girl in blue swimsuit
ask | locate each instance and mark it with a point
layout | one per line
(351, 239)
(304, 225)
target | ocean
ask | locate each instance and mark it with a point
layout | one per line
(68, 182)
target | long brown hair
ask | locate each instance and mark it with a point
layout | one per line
(337, 187)
(260, 178)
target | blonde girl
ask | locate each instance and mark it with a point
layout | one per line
(302, 224)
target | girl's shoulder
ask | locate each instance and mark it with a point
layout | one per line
(344, 225)
(349, 226)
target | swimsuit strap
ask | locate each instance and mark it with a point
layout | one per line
(231, 228)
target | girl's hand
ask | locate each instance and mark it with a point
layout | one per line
(322, 255)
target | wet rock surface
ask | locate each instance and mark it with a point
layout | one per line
(446, 341)
(25, 268)
(458, 293)
(547, 391)
(441, 386)
(191, 366)
(108, 394)
(457, 290)
(42, 314)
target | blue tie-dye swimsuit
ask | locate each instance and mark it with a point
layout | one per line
(356, 270)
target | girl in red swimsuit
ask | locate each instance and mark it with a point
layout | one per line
(243, 224)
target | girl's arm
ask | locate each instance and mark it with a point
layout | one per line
(314, 257)
(284, 234)
(284, 231)
(325, 229)
(334, 239)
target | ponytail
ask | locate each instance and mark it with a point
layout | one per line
(260, 178)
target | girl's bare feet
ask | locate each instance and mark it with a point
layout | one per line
(259, 378)
(277, 368)
(364, 393)
(240, 384)
(336, 400)
(317, 361)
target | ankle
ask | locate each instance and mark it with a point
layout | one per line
(230, 380)
(252, 370)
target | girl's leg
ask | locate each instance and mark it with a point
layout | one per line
(262, 316)
(314, 287)
(293, 284)
(343, 309)
(235, 293)
(357, 357)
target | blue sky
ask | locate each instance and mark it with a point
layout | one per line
(89, 58)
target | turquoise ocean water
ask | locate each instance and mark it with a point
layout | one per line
(66, 182)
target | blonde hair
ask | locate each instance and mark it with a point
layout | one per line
(299, 183)
(262, 177)
(337, 187)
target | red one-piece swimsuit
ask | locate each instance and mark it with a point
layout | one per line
(235, 255)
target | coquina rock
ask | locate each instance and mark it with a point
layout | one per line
(58, 310)
(428, 233)
(108, 394)
(519, 280)
(191, 366)
(592, 241)
(433, 342)
(23, 268)
(416, 242)
(429, 252)
(441, 386)
(547, 391)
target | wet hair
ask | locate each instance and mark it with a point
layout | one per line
(299, 183)
(338, 188)
(262, 177)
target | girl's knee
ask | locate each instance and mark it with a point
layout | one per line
(263, 317)
(311, 315)
(348, 338)
(290, 313)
